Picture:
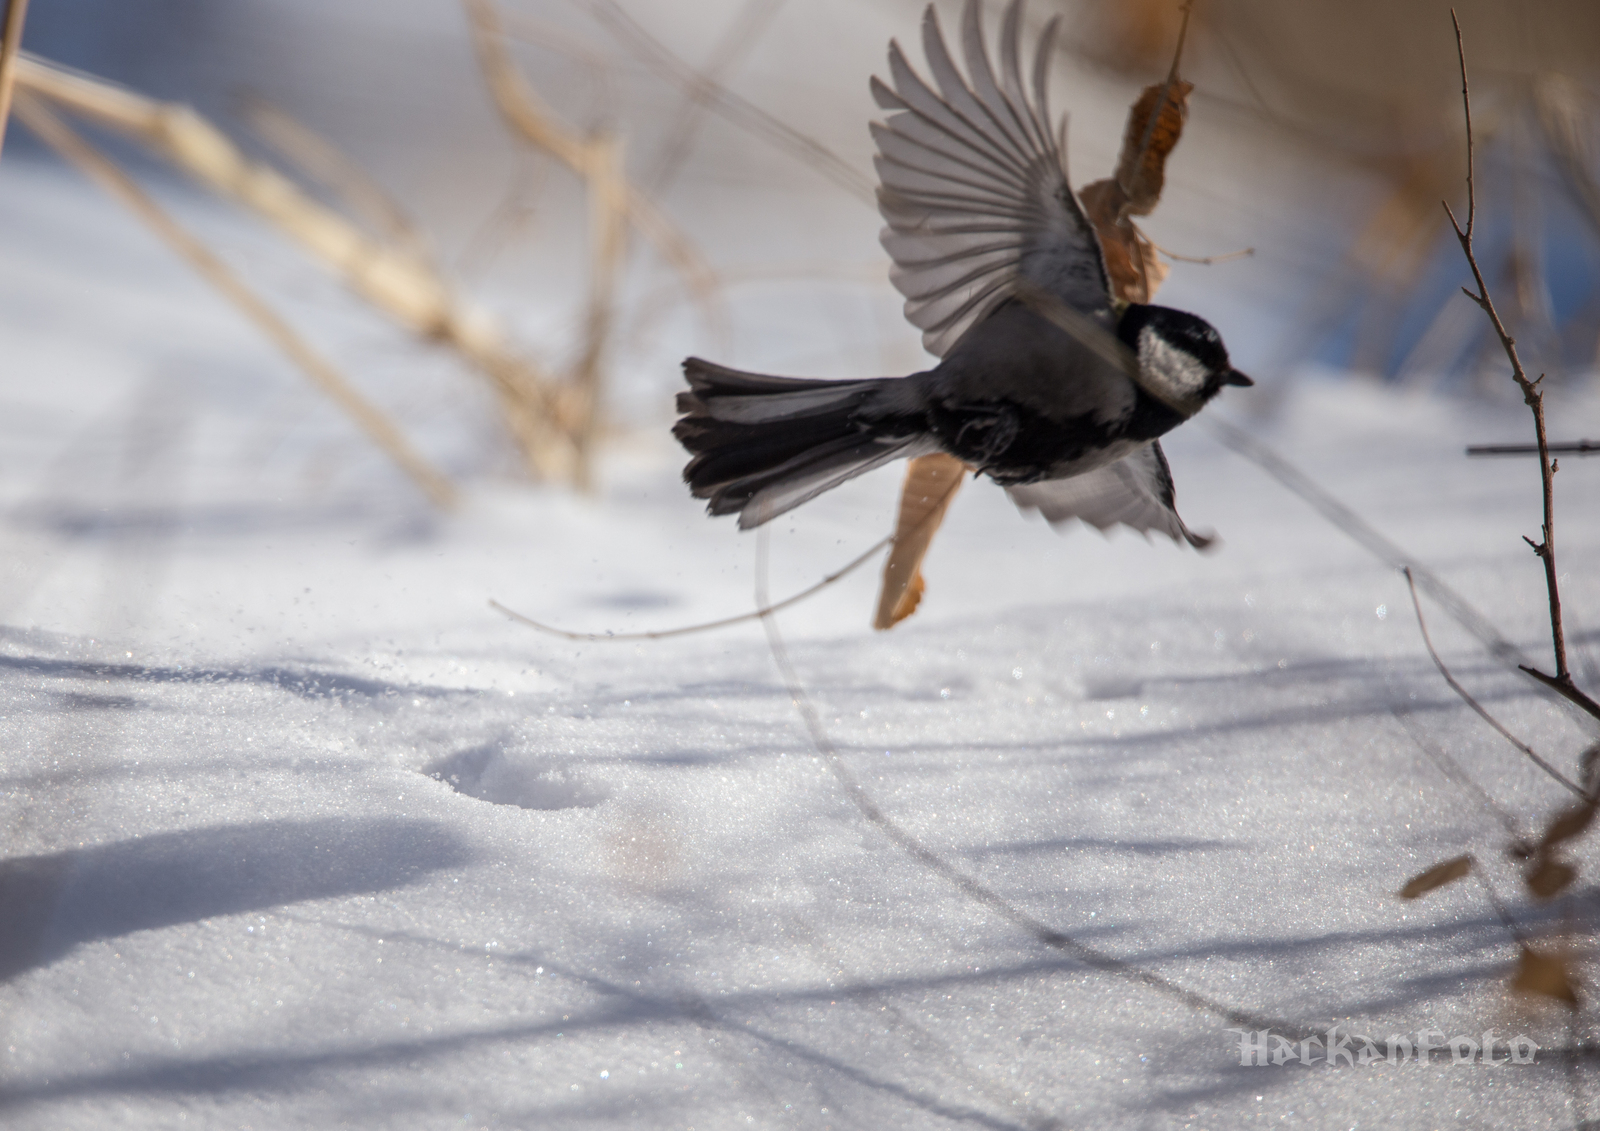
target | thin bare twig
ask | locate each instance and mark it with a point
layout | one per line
(1478, 707)
(1576, 448)
(1204, 260)
(762, 610)
(1533, 397)
(55, 133)
(707, 626)
(10, 44)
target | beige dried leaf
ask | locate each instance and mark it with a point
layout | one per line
(1544, 975)
(1132, 265)
(931, 482)
(1142, 168)
(1436, 877)
(1131, 261)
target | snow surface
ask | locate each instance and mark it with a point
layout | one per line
(300, 833)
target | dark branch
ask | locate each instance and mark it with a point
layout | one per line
(1575, 448)
(1532, 396)
(1566, 689)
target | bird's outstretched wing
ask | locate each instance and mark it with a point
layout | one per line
(1135, 491)
(973, 187)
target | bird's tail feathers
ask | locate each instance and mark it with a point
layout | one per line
(764, 445)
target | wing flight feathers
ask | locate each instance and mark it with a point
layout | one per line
(973, 189)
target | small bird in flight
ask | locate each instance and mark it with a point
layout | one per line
(1046, 382)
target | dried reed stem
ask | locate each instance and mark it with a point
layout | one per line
(1533, 397)
(613, 206)
(321, 161)
(608, 228)
(97, 167)
(391, 279)
(396, 280)
(10, 45)
(526, 112)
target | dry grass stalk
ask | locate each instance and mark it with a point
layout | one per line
(614, 205)
(394, 279)
(319, 160)
(100, 169)
(608, 230)
(391, 279)
(10, 47)
(526, 112)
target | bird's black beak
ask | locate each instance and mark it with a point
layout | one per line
(1234, 377)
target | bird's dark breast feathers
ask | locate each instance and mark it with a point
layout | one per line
(1014, 444)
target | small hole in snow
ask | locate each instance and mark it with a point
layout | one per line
(490, 773)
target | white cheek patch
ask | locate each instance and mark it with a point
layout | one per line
(1172, 370)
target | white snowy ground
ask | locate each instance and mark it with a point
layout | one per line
(300, 833)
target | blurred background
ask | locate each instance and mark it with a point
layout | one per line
(1322, 137)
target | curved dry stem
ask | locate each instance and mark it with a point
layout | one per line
(1478, 707)
(1205, 260)
(762, 609)
(707, 626)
